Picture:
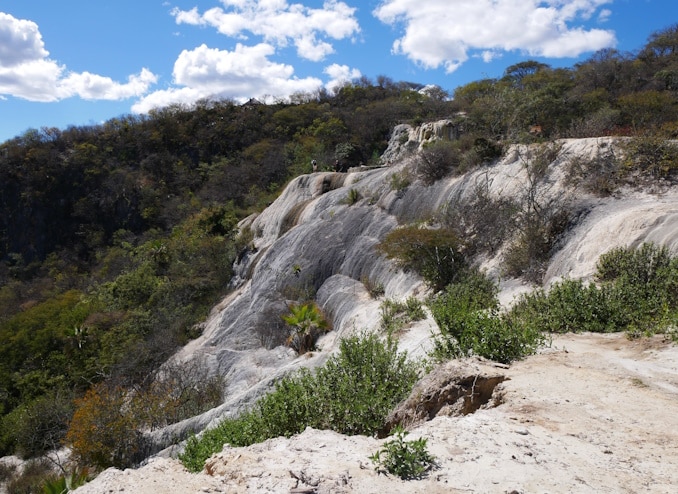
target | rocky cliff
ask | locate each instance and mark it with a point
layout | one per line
(318, 238)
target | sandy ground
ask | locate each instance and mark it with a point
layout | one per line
(593, 413)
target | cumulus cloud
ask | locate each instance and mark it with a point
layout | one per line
(438, 33)
(27, 72)
(95, 87)
(240, 74)
(280, 24)
(340, 75)
(250, 70)
(20, 41)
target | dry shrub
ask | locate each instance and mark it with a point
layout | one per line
(437, 160)
(102, 433)
(600, 123)
(482, 221)
(650, 156)
(538, 234)
(599, 175)
(541, 221)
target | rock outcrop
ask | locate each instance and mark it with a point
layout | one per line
(457, 387)
(318, 238)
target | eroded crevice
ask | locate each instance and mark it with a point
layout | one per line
(291, 219)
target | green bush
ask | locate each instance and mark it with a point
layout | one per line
(436, 254)
(470, 324)
(569, 306)
(351, 394)
(368, 373)
(653, 156)
(638, 292)
(396, 315)
(640, 287)
(37, 426)
(406, 459)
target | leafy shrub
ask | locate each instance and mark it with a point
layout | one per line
(39, 425)
(375, 289)
(654, 156)
(649, 264)
(351, 394)
(435, 254)
(395, 315)
(638, 292)
(569, 306)
(406, 459)
(400, 181)
(470, 324)
(368, 373)
(640, 286)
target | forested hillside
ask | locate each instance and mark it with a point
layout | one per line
(117, 239)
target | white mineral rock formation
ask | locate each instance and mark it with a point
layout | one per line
(313, 239)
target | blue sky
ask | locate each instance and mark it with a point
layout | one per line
(81, 62)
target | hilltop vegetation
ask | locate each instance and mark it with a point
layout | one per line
(117, 239)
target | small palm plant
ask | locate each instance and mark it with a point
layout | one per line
(306, 322)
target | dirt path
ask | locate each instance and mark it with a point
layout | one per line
(594, 413)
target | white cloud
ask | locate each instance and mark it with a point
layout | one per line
(440, 33)
(604, 15)
(278, 23)
(95, 87)
(240, 74)
(187, 16)
(340, 75)
(31, 80)
(489, 55)
(20, 42)
(26, 71)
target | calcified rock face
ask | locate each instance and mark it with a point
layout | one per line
(318, 239)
